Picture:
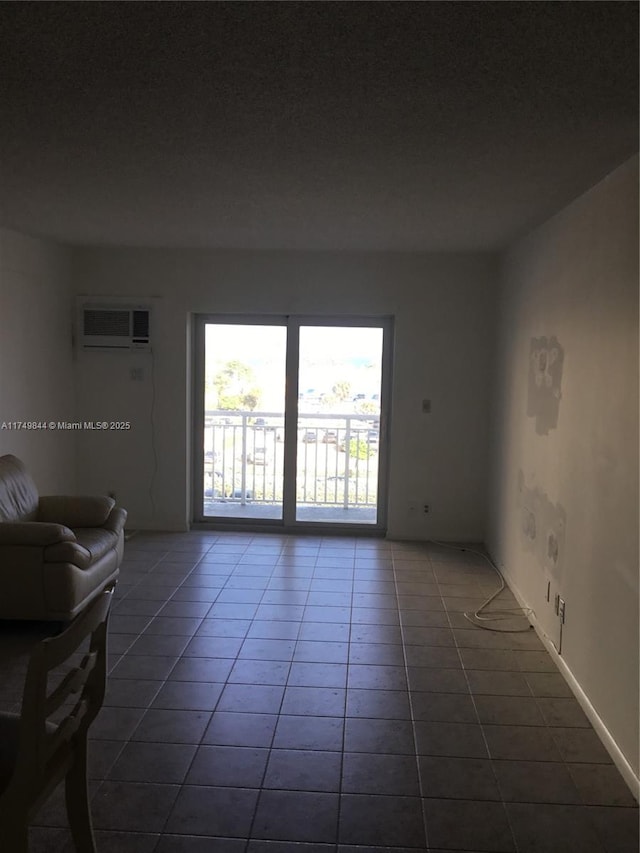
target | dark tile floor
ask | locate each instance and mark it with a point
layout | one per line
(272, 694)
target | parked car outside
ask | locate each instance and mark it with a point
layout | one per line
(236, 495)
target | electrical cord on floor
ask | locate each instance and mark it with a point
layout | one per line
(496, 615)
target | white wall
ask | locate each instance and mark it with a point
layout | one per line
(444, 312)
(36, 370)
(575, 279)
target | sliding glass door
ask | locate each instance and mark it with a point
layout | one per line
(243, 420)
(290, 421)
(338, 429)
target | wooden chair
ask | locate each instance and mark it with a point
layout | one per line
(36, 752)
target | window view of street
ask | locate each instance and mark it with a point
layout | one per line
(338, 427)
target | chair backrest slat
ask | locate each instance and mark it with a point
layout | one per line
(66, 729)
(71, 683)
(57, 650)
(41, 749)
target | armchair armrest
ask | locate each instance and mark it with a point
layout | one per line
(34, 533)
(90, 511)
(116, 520)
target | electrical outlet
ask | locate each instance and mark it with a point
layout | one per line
(426, 508)
(561, 609)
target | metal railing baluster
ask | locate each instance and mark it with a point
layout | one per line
(229, 443)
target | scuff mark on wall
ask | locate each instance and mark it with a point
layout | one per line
(546, 358)
(542, 527)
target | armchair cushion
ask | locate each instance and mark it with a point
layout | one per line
(95, 540)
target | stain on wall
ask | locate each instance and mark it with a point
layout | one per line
(542, 527)
(546, 358)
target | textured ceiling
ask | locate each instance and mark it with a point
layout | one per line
(385, 125)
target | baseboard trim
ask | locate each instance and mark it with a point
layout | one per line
(608, 741)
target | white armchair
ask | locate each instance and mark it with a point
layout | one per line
(57, 553)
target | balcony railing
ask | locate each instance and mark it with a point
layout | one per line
(337, 459)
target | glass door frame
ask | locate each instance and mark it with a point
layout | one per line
(292, 324)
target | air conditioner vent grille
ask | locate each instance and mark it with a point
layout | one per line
(111, 323)
(141, 325)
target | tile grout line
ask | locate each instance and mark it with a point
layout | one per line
(411, 708)
(344, 713)
(181, 785)
(275, 728)
(484, 738)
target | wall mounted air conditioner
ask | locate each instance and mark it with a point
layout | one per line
(114, 326)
